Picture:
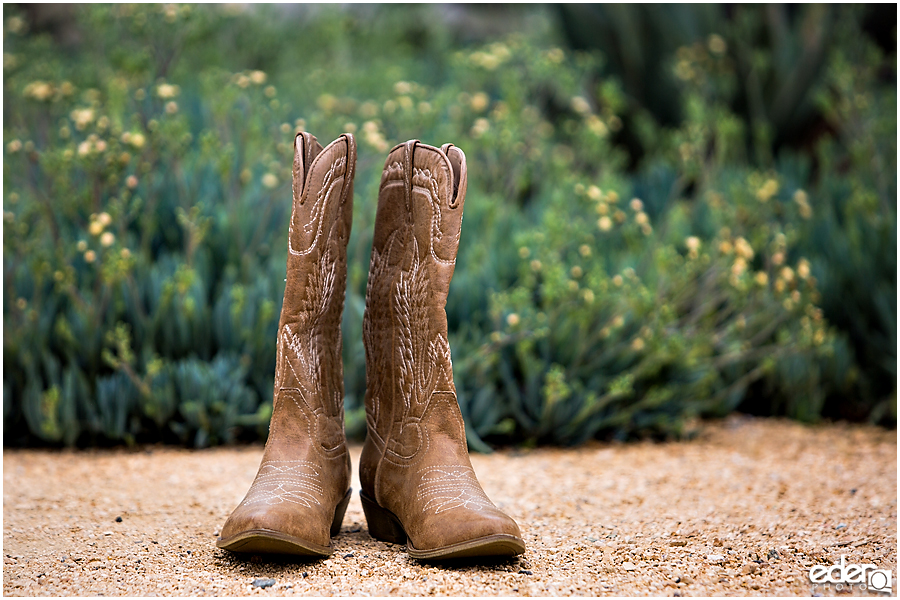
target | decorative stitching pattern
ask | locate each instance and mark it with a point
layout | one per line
(445, 487)
(425, 181)
(424, 364)
(374, 337)
(315, 221)
(308, 345)
(280, 481)
(393, 171)
(305, 341)
(395, 331)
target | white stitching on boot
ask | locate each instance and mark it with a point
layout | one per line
(280, 481)
(445, 487)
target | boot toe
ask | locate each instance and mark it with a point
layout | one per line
(273, 529)
(469, 534)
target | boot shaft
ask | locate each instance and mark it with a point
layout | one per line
(420, 208)
(417, 231)
(321, 218)
(309, 332)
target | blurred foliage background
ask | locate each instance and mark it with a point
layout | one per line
(674, 212)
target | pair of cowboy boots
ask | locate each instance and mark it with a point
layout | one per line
(418, 486)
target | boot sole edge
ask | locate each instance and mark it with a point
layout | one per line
(497, 545)
(269, 541)
(385, 526)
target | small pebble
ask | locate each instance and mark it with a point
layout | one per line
(263, 583)
(628, 566)
(118, 519)
(524, 572)
(348, 555)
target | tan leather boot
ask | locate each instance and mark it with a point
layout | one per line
(418, 485)
(298, 499)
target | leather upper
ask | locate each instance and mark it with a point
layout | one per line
(415, 461)
(305, 469)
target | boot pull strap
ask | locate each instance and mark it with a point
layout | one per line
(458, 167)
(351, 164)
(303, 145)
(408, 173)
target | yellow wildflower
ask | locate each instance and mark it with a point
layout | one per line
(717, 44)
(479, 101)
(769, 189)
(480, 127)
(580, 105)
(270, 180)
(82, 117)
(167, 90)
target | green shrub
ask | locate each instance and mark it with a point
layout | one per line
(147, 191)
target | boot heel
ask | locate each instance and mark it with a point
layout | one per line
(339, 511)
(383, 525)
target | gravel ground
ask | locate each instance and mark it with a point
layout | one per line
(745, 509)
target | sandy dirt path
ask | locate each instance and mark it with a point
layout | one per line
(745, 509)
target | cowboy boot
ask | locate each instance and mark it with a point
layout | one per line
(418, 485)
(300, 494)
